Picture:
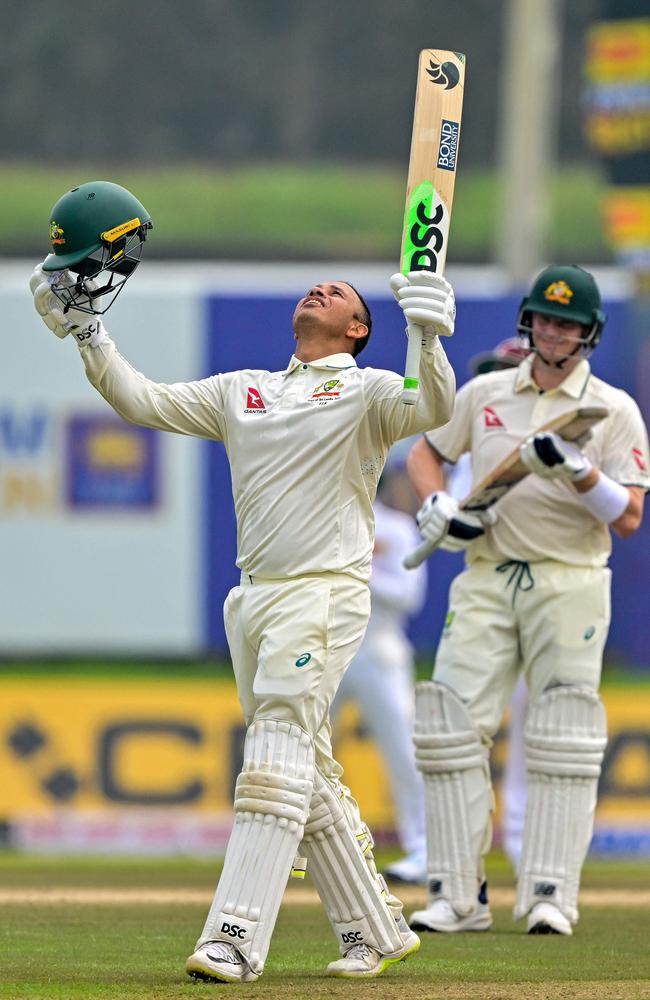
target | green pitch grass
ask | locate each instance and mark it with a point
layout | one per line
(98, 949)
(279, 211)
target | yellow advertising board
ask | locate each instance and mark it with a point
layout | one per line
(171, 749)
(94, 743)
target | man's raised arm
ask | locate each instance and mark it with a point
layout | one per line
(186, 407)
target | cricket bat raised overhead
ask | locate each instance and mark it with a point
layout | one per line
(431, 178)
(511, 470)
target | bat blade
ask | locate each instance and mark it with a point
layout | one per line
(431, 179)
(511, 470)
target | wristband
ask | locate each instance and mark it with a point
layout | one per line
(607, 500)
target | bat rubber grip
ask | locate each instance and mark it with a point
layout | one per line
(411, 389)
(417, 556)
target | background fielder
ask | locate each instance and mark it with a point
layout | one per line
(533, 598)
(300, 612)
(381, 678)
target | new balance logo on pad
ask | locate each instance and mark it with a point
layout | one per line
(545, 889)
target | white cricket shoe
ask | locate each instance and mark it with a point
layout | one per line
(411, 869)
(362, 962)
(441, 916)
(218, 961)
(544, 918)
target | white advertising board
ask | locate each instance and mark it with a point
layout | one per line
(99, 521)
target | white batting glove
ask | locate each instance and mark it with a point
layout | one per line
(435, 515)
(444, 526)
(549, 456)
(86, 329)
(427, 301)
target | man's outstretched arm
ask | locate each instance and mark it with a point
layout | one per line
(194, 408)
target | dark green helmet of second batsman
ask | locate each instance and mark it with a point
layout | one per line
(97, 232)
(568, 292)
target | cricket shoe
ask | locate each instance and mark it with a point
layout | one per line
(441, 916)
(218, 961)
(411, 869)
(544, 918)
(363, 962)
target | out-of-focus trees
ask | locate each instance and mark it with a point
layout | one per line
(231, 80)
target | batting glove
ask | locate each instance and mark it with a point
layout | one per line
(86, 329)
(549, 456)
(427, 301)
(444, 526)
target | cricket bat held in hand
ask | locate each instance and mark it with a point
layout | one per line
(431, 178)
(571, 426)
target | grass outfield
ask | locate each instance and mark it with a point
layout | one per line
(85, 928)
(275, 211)
(615, 675)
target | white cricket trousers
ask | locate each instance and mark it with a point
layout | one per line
(291, 642)
(549, 621)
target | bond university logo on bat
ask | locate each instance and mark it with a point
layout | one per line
(448, 146)
(447, 76)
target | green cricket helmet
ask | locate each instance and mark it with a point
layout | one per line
(569, 292)
(97, 231)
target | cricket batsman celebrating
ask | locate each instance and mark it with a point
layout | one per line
(533, 598)
(300, 611)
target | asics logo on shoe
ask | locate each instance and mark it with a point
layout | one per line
(219, 958)
(234, 930)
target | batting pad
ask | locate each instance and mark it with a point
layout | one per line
(457, 795)
(565, 737)
(272, 798)
(353, 894)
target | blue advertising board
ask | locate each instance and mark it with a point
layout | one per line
(110, 464)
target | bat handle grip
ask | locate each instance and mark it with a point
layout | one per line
(411, 389)
(417, 556)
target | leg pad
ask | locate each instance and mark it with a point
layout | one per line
(457, 795)
(565, 738)
(340, 863)
(271, 804)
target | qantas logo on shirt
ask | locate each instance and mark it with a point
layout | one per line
(491, 418)
(254, 401)
(639, 459)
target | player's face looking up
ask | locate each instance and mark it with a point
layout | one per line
(328, 320)
(555, 338)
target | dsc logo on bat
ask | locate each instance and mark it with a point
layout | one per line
(427, 225)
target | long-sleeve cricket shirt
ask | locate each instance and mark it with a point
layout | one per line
(306, 447)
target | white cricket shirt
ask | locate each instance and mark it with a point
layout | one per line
(306, 447)
(543, 518)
